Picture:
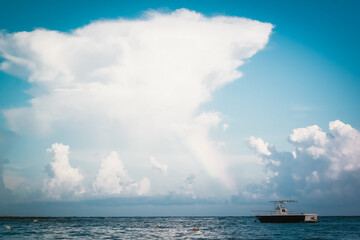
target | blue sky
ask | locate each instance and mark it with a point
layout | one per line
(229, 135)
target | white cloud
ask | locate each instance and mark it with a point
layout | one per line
(314, 177)
(113, 179)
(341, 147)
(144, 186)
(323, 165)
(258, 145)
(137, 82)
(63, 180)
(161, 167)
(225, 126)
(312, 135)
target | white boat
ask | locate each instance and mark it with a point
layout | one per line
(282, 215)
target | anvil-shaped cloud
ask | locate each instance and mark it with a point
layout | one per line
(137, 82)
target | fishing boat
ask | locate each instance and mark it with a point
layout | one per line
(280, 214)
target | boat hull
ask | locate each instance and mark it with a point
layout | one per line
(288, 218)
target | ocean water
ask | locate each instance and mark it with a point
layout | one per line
(177, 228)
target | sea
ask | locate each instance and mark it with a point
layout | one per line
(177, 228)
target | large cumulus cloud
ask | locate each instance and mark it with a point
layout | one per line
(136, 82)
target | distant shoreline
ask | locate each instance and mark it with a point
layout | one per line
(14, 217)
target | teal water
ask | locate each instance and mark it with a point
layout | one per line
(178, 228)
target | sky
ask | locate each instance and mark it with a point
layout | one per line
(171, 108)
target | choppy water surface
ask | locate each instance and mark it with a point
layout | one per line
(178, 228)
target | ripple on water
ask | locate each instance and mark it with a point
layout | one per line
(178, 228)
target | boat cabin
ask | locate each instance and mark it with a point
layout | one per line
(280, 206)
